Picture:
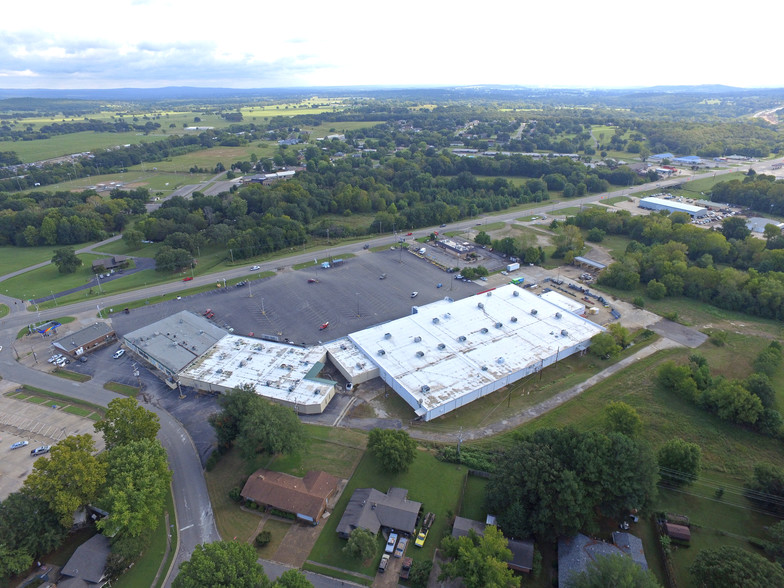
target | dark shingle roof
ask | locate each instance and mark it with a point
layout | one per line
(370, 509)
(87, 563)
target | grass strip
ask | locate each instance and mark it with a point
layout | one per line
(47, 395)
(68, 375)
(325, 571)
(123, 389)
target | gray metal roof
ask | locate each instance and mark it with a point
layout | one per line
(88, 562)
(84, 336)
(370, 509)
(177, 340)
(462, 526)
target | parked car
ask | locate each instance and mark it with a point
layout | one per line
(119, 353)
(414, 294)
(382, 565)
(401, 547)
(83, 359)
(255, 268)
(19, 444)
(41, 450)
(391, 542)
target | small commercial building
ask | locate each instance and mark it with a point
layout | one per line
(86, 340)
(653, 203)
(110, 263)
(757, 224)
(306, 498)
(565, 302)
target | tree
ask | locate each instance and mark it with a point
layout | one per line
(28, 524)
(614, 570)
(604, 345)
(729, 567)
(269, 428)
(394, 449)
(734, 227)
(656, 290)
(760, 385)
(292, 579)
(169, 260)
(679, 461)
(622, 418)
(68, 480)
(223, 564)
(420, 574)
(137, 484)
(361, 544)
(66, 260)
(228, 421)
(13, 561)
(767, 486)
(479, 561)
(775, 546)
(133, 239)
(126, 421)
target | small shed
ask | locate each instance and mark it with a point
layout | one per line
(678, 532)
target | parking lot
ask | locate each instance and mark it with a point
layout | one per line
(350, 296)
(38, 424)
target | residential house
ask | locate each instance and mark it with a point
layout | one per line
(522, 551)
(576, 553)
(110, 263)
(370, 509)
(306, 497)
(85, 568)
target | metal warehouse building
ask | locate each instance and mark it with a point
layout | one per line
(672, 206)
(448, 354)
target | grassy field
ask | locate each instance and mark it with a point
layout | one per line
(473, 506)
(16, 258)
(58, 145)
(433, 483)
(43, 281)
(335, 451)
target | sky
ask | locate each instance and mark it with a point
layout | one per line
(299, 43)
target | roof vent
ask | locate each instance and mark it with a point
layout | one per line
(564, 333)
(534, 311)
(489, 293)
(483, 331)
(499, 325)
(420, 353)
(381, 352)
(500, 360)
(484, 368)
(425, 388)
(417, 339)
(461, 338)
(342, 346)
(435, 320)
(480, 305)
(387, 335)
(513, 319)
(558, 315)
(441, 346)
(516, 293)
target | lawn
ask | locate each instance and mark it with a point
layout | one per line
(434, 483)
(58, 145)
(46, 280)
(334, 450)
(473, 505)
(69, 375)
(278, 530)
(123, 389)
(16, 258)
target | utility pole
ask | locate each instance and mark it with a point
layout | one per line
(459, 440)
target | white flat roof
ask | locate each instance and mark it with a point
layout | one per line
(450, 349)
(279, 371)
(671, 204)
(351, 358)
(564, 302)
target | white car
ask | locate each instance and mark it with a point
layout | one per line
(119, 353)
(414, 294)
(255, 268)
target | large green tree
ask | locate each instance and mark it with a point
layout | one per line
(126, 421)
(731, 567)
(66, 260)
(361, 544)
(619, 571)
(479, 560)
(223, 564)
(269, 428)
(394, 450)
(679, 461)
(619, 417)
(137, 483)
(28, 524)
(68, 480)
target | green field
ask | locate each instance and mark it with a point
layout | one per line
(46, 280)
(59, 145)
(16, 258)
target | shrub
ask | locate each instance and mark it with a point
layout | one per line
(263, 539)
(234, 494)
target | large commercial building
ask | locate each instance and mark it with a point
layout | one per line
(441, 357)
(450, 353)
(653, 203)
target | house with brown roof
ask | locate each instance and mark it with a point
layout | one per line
(306, 497)
(110, 263)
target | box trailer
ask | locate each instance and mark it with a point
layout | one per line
(512, 267)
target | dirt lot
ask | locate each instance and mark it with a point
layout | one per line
(37, 424)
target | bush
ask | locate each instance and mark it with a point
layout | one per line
(212, 460)
(420, 572)
(234, 494)
(263, 539)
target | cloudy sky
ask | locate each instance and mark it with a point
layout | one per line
(243, 44)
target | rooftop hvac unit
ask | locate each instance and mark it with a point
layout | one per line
(425, 388)
(461, 338)
(219, 371)
(480, 305)
(513, 319)
(441, 346)
(387, 335)
(534, 311)
(516, 293)
(484, 368)
(420, 353)
(291, 388)
(269, 383)
(564, 333)
(381, 352)
(558, 315)
(417, 339)
(342, 346)
(435, 320)
(489, 293)
(483, 330)
(499, 325)
(500, 360)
